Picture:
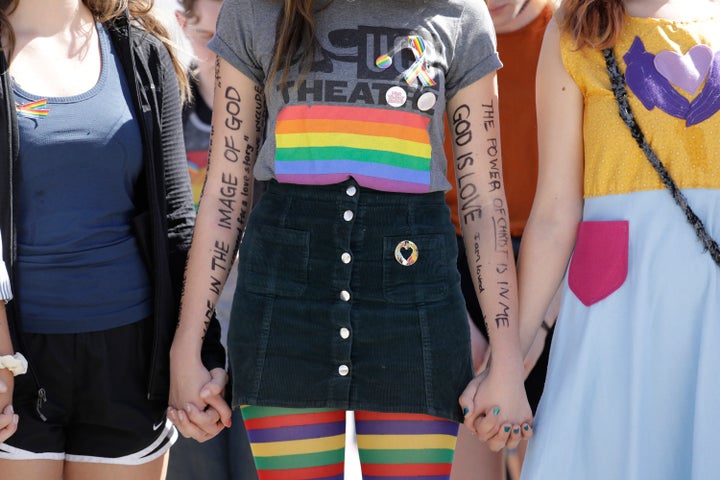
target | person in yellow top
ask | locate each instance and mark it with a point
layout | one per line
(624, 218)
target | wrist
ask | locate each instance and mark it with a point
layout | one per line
(184, 348)
(508, 365)
(15, 364)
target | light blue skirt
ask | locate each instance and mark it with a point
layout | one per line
(633, 387)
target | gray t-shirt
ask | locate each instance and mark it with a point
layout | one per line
(372, 105)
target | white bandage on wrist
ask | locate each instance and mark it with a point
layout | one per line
(15, 363)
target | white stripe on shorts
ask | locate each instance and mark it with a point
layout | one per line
(158, 448)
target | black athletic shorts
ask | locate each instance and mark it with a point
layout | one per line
(96, 407)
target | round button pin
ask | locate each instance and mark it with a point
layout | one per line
(406, 253)
(396, 97)
(426, 101)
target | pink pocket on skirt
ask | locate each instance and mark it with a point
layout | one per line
(599, 263)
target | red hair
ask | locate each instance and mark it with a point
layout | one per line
(592, 23)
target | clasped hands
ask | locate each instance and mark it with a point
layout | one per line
(8, 418)
(197, 406)
(498, 426)
(494, 403)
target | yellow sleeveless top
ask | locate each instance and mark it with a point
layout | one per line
(673, 82)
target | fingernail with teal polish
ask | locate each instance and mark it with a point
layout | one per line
(466, 410)
(526, 427)
(507, 429)
(517, 430)
(496, 411)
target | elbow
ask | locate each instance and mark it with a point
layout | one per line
(557, 224)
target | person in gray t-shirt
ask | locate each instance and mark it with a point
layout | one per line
(348, 296)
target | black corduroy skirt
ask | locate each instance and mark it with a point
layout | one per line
(349, 298)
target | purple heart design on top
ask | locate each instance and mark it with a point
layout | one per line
(685, 71)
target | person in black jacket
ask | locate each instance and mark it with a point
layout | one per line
(11, 364)
(97, 218)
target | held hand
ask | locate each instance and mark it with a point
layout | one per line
(203, 424)
(213, 394)
(8, 423)
(8, 418)
(188, 376)
(496, 408)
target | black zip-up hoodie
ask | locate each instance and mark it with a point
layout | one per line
(165, 215)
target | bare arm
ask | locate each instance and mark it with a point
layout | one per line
(550, 233)
(224, 208)
(8, 420)
(474, 122)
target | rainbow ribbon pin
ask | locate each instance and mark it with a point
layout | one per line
(34, 109)
(417, 70)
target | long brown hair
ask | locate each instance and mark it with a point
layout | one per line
(592, 23)
(295, 30)
(104, 11)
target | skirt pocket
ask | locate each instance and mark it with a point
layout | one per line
(599, 264)
(274, 260)
(415, 268)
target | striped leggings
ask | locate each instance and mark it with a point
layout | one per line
(294, 444)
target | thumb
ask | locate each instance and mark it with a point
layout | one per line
(212, 393)
(216, 385)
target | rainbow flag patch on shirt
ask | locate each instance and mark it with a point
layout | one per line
(383, 149)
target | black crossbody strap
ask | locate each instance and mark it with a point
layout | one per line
(618, 86)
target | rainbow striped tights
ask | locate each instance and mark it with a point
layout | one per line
(294, 444)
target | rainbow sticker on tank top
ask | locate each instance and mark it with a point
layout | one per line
(382, 149)
(36, 109)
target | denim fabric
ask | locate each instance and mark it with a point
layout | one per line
(311, 330)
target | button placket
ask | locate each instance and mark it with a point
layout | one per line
(347, 206)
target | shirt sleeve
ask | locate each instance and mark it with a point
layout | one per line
(475, 49)
(234, 35)
(5, 291)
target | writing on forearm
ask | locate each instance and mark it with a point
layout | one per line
(478, 263)
(209, 311)
(469, 199)
(499, 217)
(468, 196)
(220, 260)
(232, 198)
(227, 200)
(502, 318)
(220, 257)
(259, 113)
(488, 115)
(500, 227)
(494, 173)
